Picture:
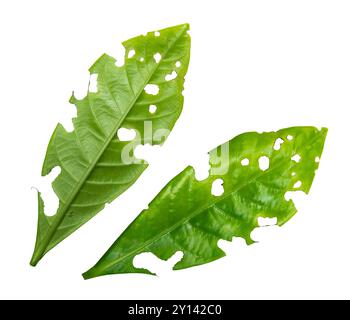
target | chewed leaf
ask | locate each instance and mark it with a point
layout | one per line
(97, 166)
(188, 216)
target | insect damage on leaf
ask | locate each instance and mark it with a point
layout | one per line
(97, 166)
(186, 216)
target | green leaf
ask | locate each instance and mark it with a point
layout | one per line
(186, 217)
(94, 170)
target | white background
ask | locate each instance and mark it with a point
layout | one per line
(255, 65)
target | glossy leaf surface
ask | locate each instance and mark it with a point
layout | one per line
(186, 217)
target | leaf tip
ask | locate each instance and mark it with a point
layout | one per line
(33, 262)
(88, 275)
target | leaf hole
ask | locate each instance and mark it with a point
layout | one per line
(152, 108)
(79, 84)
(202, 167)
(157, 57)
(156, 33)
(152, 89)
(264, 163)
(68, 116)
(178, 64)
(296, 158)
(317, 159)
(217, 188)
(171, 76)
(293, 174)
(245, 162)
(149, 261)
(118, 52)
(296, 196)
(48, 194)
(289, 137)
(131, 53)
(125, 134)
(142, 59)
(93, 83)
(266, 222)
(297, 185)
(119, 63)
(147, 152)
(278, 144)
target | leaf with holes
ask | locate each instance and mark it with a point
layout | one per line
(96, 166)
(256, 171)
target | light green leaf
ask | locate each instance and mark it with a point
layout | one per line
(186, 217)
(94, 170)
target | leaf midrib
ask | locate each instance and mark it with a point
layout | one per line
(182, 221)
(195, 213)
(61, 213)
